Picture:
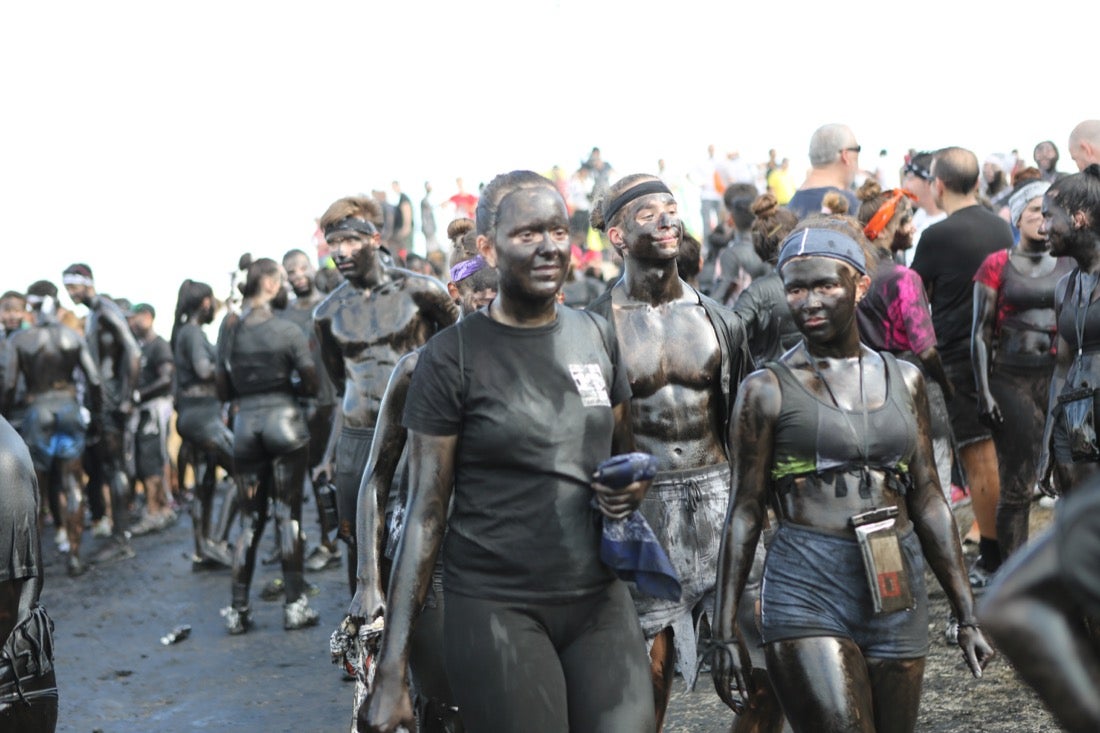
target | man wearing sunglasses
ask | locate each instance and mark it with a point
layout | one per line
(834, 157)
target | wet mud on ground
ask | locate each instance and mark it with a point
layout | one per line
(115, 676)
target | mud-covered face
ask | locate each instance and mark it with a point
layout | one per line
(822, 294)
(651, 228)
(355, 254)
(1058, 226)
(530, 246)
(300, 272)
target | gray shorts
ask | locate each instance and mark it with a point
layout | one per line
(686, 510)
(815, 585)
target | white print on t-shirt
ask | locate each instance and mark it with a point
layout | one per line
(590, 384)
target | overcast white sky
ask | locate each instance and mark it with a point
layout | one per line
(159, 141)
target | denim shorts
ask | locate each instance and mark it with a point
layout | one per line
(815, 585)
(686, 510)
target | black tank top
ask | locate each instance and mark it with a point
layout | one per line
(813, 437)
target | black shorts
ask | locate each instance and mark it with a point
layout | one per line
(963, 407)
(150, 438)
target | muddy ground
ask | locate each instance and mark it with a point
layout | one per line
(115, 676)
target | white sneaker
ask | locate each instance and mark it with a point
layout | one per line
(62, 540)
(102, 528)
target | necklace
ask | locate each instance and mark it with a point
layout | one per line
(864, 448)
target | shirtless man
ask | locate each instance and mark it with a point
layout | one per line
(365, 325)
(46, 356)
(685, 356)
(117, 355)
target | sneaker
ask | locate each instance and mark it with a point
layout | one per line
(62, 540)
(217, 554)
(117, 548)
(979, 576)
(149, 523)
(298, 614)
(237, 620)
(102, 528)
(322, 558)
(1048, 502)
(951, 633)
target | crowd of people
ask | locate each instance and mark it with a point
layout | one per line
(819, 379)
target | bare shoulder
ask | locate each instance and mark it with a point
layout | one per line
(416, 283)
(912, 376)
(760, 392)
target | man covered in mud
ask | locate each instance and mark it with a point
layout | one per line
(46, 356)
(28, 689)
(117, 355)
(301, 274)
(685, 356)
(364, 326)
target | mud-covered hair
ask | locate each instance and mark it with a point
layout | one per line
(354, 207)
(488, 204)
(463, 235)
(688, 258)
(597, 217)
(771, 225)
(1080, 192)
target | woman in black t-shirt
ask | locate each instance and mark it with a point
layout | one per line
(265, 365)
(511, 411)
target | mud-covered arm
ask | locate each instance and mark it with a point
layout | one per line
(436, 304)
(386, 447)
(935, 527)
(981, 346)
(222, 380)
(331, 354)
(9, 376)
(160, 386)
(1063, 358)
(94, 383)
(751, 439)
(431, 479)
(131, 356)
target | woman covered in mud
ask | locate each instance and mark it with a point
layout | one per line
(835, 437)
(265, 365)
(509, 413)
(199, 416)
(1012, 343)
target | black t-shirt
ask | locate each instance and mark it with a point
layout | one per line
(192, 347)
(154, 353)
(263, 357)
(950, 253)
(533, 413)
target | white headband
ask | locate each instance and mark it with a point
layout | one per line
(73, 278)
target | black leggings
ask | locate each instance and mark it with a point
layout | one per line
(1022, 393)
(271, 448)
(549, 668)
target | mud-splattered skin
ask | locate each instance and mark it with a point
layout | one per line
(47, 356)
(529, 247)
(669, 345)
(826, 682)
(370, 321)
